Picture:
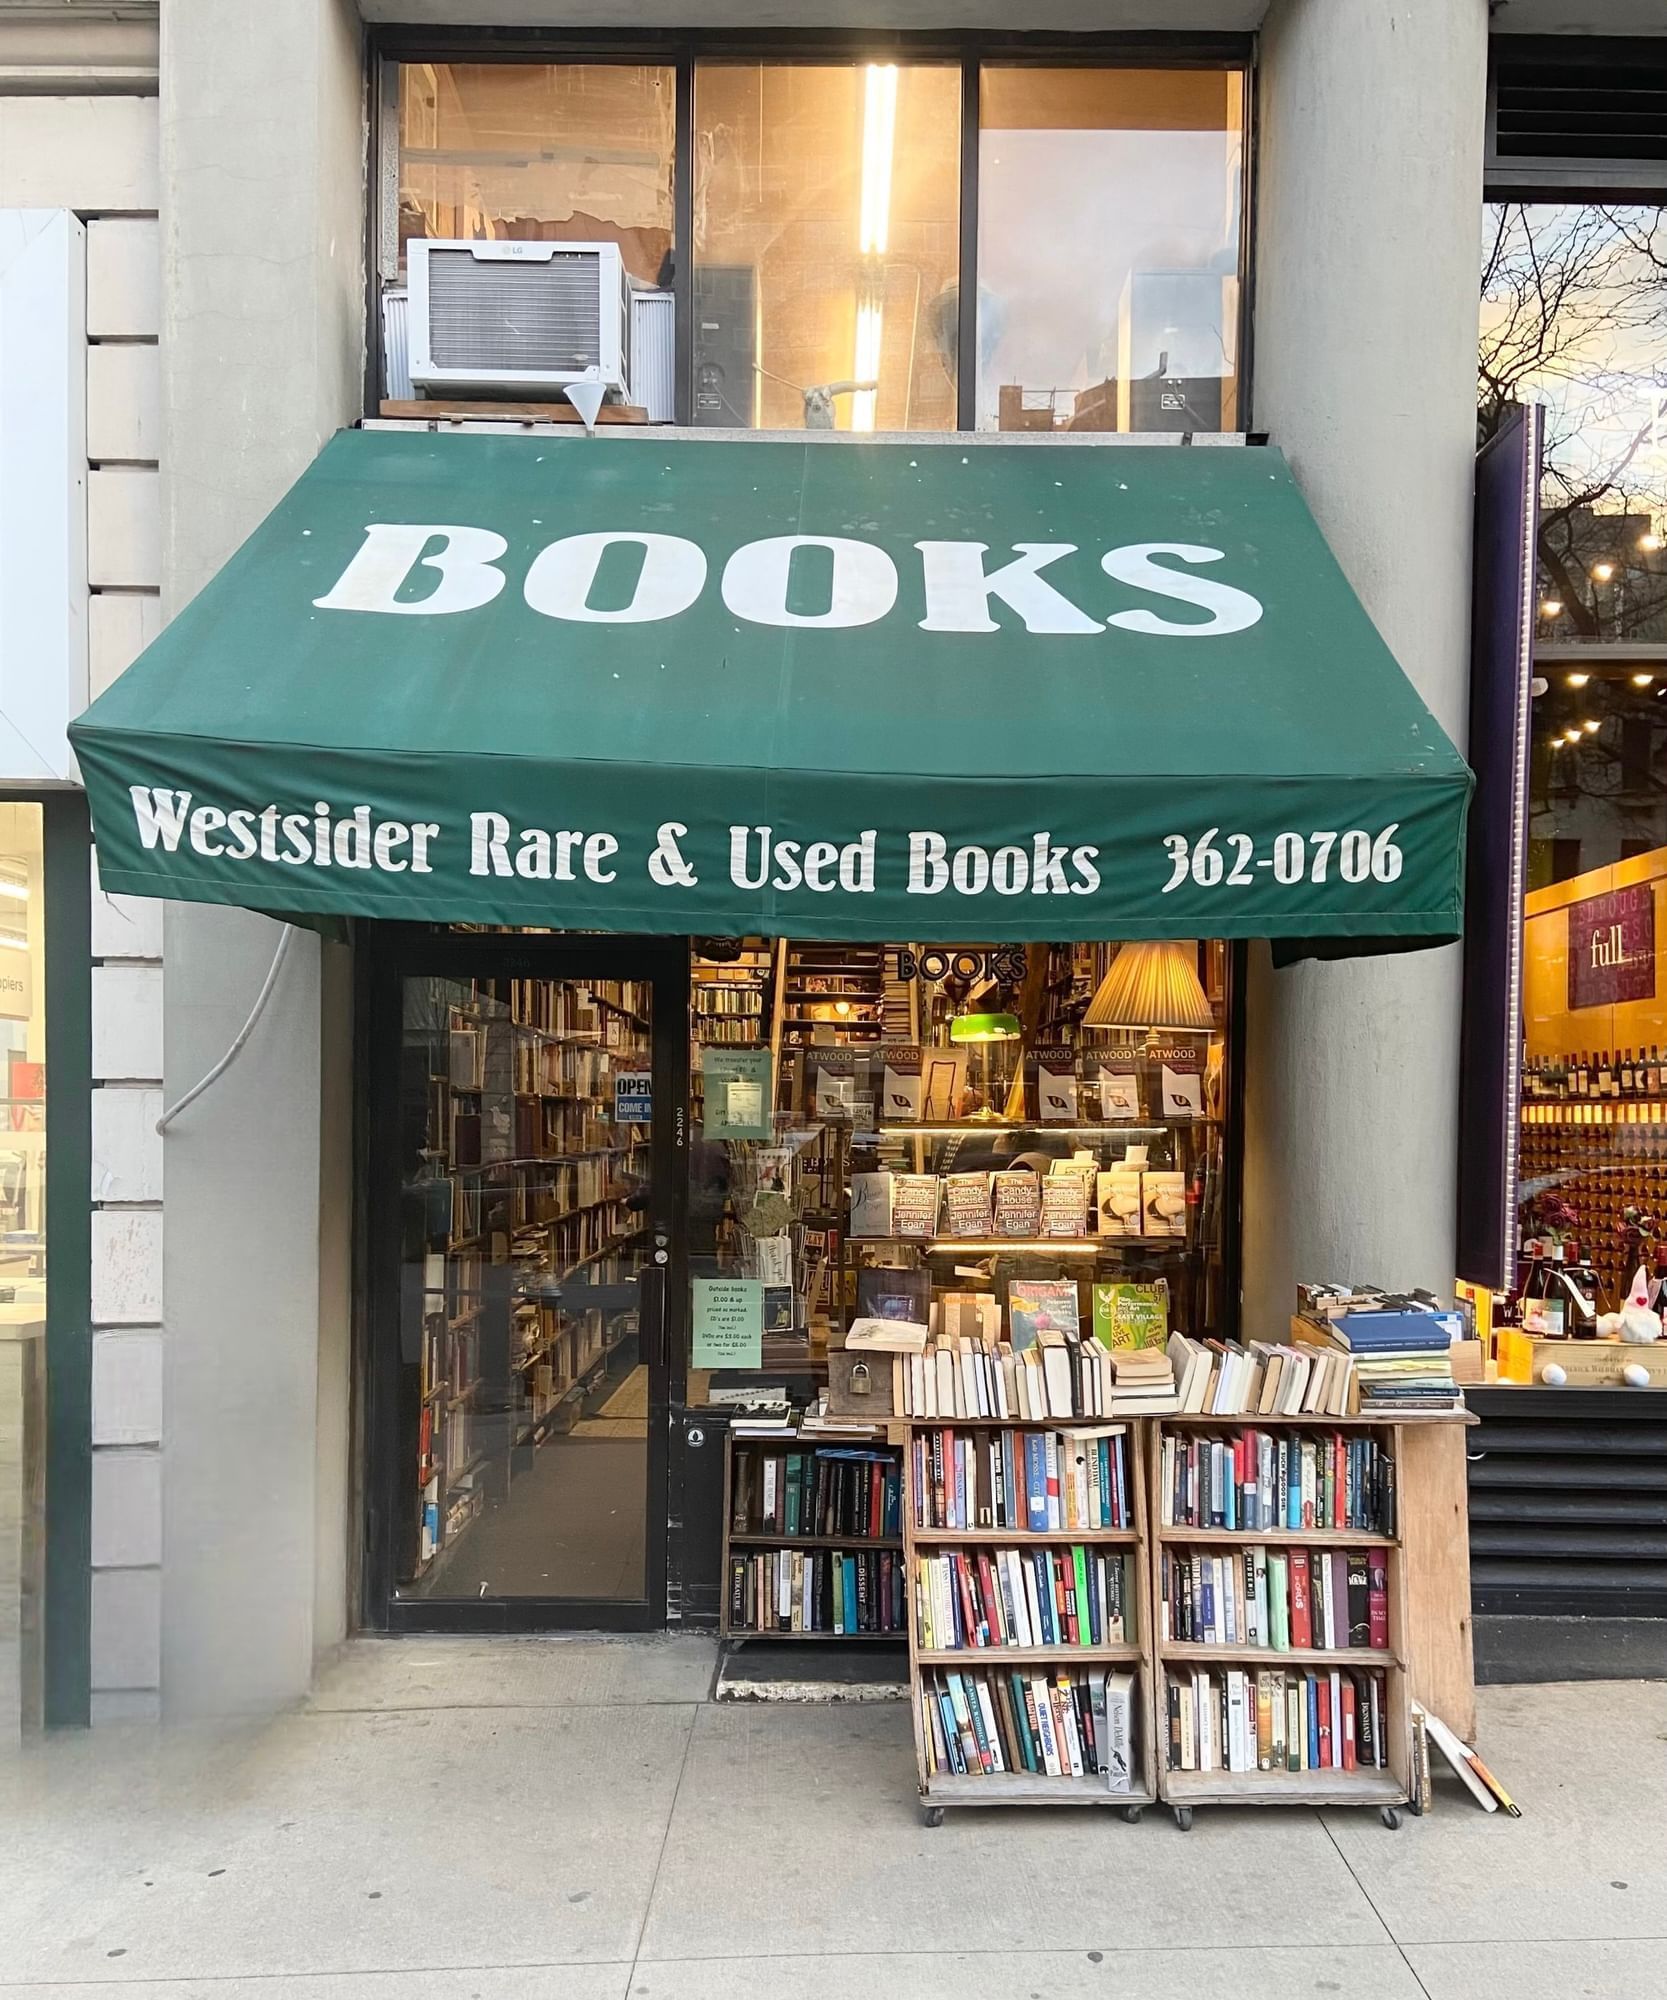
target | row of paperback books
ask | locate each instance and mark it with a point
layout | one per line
(1276, 1721)
(1050, 1596)
(1032, 1481)
(1056, 1375)
(1286, 1599)
(816, 1590)
(1262, 1480)
(1071, 1724)
(834, 1491)
(1261, 1379)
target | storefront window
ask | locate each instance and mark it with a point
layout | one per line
(1574, 316)
(540, 152)
(23, 1043)
(915, 1131)
(827, 205)
(1108, 249)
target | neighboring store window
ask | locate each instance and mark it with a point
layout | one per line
(1108, 249)
(23, 1050)
(827, 205)
(546, 152)
(1574, 316)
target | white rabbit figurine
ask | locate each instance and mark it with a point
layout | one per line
(1638, 1322)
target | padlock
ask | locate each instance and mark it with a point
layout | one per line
(860, 1384)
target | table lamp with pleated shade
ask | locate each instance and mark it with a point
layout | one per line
(1151, 986)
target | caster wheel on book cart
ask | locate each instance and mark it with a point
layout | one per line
(1183, 1818)
(933, 1815)
(1131, 1815)
(1391, 1817)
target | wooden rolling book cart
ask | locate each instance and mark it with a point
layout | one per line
(939, 1789)
(1389, 1789)
(743, 1469)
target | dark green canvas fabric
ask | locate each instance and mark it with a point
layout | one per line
(829, 688)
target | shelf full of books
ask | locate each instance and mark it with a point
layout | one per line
(813, 1539)
(1278, 1611)
(1029, 1606)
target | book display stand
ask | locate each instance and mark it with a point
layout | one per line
(1263, 1711)
(813, 1543)
(1035, 1724)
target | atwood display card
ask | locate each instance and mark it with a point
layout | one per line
(901, 1083)
(1056, 1086)
(1119, 1092)
(729, 1323)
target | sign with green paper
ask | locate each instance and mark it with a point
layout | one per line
(728, 1323)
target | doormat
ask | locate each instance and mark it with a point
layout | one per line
(756, 1670)
(623, 1415)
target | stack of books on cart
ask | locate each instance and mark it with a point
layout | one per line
(1262, 1379)
(1399, 1347)
(1054, 1376)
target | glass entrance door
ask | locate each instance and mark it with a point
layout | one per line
(527, 1233)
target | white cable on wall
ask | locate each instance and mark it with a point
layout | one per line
(243, 1034)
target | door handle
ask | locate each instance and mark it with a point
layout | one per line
(651, 1287)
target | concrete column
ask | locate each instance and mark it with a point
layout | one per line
(263, 219)
(1369, 198)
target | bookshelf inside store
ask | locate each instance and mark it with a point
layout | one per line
(521, 1219)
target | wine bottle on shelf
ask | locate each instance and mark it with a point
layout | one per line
(1605, 1076)
(1652, 1073)
(1531, 1297)
(1582, 1074)
(1627, 1078)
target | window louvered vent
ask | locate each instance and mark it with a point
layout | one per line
(1573, 111)
(486, 315)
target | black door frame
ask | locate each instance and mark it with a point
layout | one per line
(391, 953)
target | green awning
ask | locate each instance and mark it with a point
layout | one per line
(819, 687)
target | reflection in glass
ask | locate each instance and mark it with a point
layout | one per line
(826, 230)
(540, 152)
(1108, 249)
(524, 1217)
(1574, 316)
(23, 1051)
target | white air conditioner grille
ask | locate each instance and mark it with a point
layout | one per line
(484, 315)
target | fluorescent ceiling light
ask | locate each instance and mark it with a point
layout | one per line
(879, 141)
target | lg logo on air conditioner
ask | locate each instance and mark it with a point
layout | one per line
(859, 581)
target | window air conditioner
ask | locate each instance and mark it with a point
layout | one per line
(517, 317)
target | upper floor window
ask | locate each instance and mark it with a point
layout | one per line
(833, 209)
(1108, 249)
(540, 152)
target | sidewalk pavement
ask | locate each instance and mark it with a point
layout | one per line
(577, 1820)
